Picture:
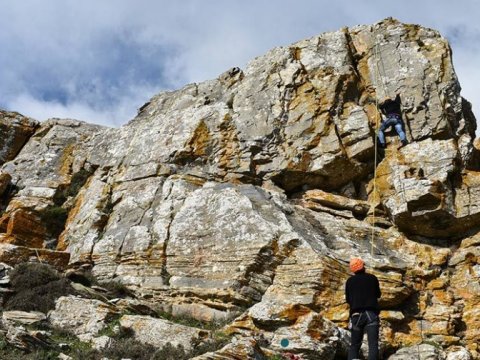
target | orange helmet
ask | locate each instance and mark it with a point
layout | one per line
(356, 264)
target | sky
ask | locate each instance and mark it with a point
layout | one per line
(100, 60)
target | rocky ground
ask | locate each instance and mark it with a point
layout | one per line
(239, 201)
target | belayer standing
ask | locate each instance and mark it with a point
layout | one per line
(362, 292)
(391, 109)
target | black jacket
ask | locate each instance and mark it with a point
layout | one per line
(362, 291)
(390, 106)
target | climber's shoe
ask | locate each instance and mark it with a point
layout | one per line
(404, 143)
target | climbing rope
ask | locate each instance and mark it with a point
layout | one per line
(376, 75)
(378, 56)
(38, 256)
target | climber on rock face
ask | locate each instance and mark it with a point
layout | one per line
(362, 291)
(391, 109)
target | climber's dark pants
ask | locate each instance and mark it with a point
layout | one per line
(364, 321)
(395, 121)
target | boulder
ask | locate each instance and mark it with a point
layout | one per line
(23, 317)
(159, 332)
(420, 351)
(27, 340)
(239, 348)
(16, 130)
(458, 353)
(83, 317)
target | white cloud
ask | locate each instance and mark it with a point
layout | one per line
(45, 109)
(100, 60)
(125, 108)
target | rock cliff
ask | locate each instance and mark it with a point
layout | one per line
(242, 199)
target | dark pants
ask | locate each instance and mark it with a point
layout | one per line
(395, 121)
(365, 321)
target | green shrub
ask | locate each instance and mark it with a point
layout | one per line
(72, 347)
(435, 344)
(42, 354)
(9, 352)
(170, 352)
(36, 288)
(130, 348)
(29, 275)
(3, 342)
(116, 289)
(78, 180)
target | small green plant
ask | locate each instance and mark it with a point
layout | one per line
(74, 347)
(3, 342)
(108, 208)
(54, 218)
(217, 341)
(76, 183)
(433, 343)
(276, 357)
(42, 354)
(78, 180)
(110, 329)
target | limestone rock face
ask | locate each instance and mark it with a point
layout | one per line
(241, 199)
